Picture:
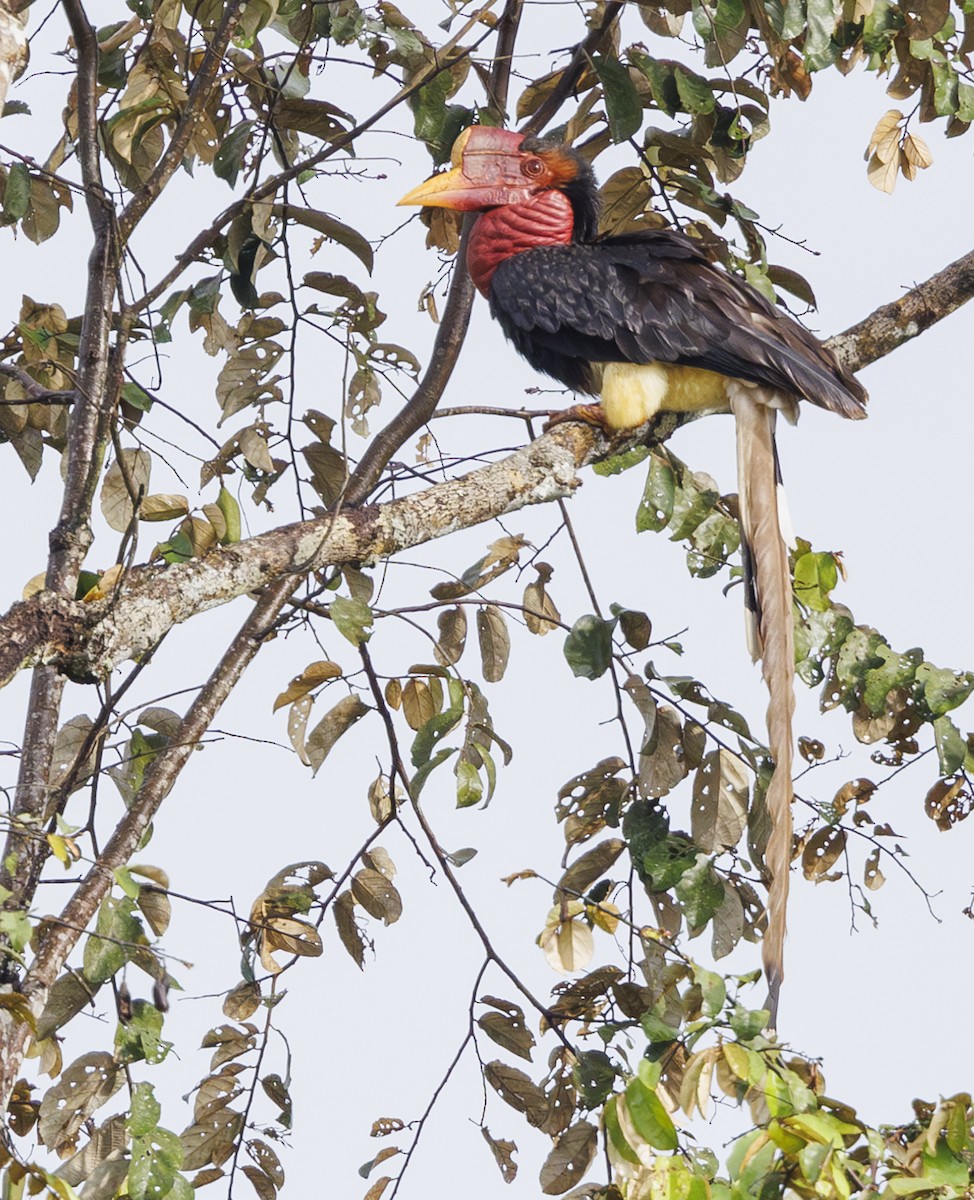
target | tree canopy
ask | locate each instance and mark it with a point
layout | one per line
(264, 491)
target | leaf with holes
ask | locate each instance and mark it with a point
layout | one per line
(88, 1083)
(507, 1027)
(822, 851)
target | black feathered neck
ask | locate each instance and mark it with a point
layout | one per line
(582, 190)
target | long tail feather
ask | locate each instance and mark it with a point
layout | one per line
(771, 637)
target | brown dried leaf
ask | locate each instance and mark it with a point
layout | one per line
(873, 877)
(313, 675)
(916, 151)
(418, 704)
(156, 907)
(571, 1157)
(107, 1141)
(84, 1086)
(116, 500)
(948, 802)
(822, 851)
(567, 943)
(507, 1027)
(242, 1001)
(377, 895)
(589, 867)
(882, 175)
(289, 935)
(333, 724)
(495, 642)
(352, 937)
(518, 1090)
(719, 811)
(503, 1153)
(210, 1140)
(452, 627)
(541, 616)
(885, 138)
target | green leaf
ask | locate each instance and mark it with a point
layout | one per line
(712, 988)
(656, 505)
(438, 725)
(700, 892)
(951, 745)
(610, 1119)
(651, 1120)
(816, 575)
(16, 198)
(943, 690)
(588, 647)
(144, 1111)
(117, 936)
(622, 104)
(229, 158)
(819, 49)
(617, 463)
(422, 774)
(353, 619)
(470, 790)
(748, 1023)
(658, 1031)
(141, 1036)
(662, 79)
(965, 101)
(696, 95)
(594, 1075)
(16, 928)
(134, 395)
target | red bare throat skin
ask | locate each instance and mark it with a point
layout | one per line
(544, 220)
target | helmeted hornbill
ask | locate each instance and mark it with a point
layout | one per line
(648, 324)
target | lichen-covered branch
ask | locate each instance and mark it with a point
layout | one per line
(87, 640)
(915, 311)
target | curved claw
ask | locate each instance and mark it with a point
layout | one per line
(588, 414)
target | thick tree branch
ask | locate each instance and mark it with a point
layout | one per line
(60, 936)
(893, 324)
(86, 641)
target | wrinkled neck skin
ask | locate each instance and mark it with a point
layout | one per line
(544, 220)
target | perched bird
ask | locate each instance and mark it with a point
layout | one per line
(648, 324)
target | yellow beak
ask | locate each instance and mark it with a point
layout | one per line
(447, 190)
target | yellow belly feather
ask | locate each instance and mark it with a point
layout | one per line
(633, 393)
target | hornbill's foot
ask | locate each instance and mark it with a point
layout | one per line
(589, 414)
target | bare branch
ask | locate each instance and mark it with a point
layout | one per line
(893, 324)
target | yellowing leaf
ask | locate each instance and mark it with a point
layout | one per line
(313, 674)
(163, 507)
(882, 175)
(568, 946)
(105, 585)
(418, 703)
(886, 136)
(122, 488)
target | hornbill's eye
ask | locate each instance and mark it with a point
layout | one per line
(532, 167)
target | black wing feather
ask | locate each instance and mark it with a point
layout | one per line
(656, 298)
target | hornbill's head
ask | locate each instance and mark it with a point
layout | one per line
(496, 167)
